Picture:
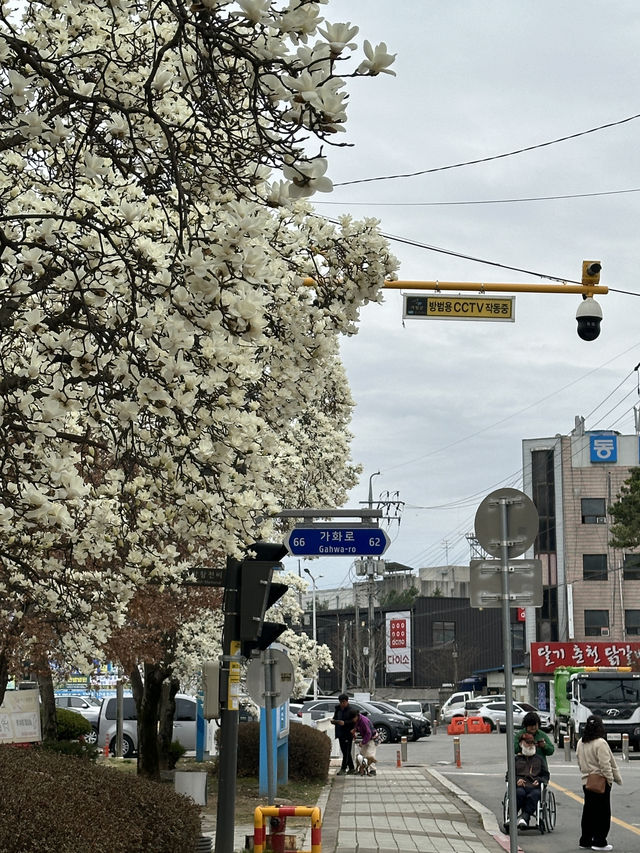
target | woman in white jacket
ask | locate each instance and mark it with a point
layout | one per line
(595, 756)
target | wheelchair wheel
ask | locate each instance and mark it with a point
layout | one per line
(505, 813)
(549, 811)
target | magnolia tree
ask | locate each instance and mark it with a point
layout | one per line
(168, 381)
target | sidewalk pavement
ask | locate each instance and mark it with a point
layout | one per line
(401, 809)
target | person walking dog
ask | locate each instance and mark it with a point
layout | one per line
(343, 720)
(599, 771)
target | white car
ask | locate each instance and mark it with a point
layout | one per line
(497, 711)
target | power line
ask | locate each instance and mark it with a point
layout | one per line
(492, 157)
(476, 201)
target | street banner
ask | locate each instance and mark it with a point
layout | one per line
(546, 657)
(398, 641)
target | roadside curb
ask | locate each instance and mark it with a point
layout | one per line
(489, 821)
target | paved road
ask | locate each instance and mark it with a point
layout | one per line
(482, 776)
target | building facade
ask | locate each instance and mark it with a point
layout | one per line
(591, 590)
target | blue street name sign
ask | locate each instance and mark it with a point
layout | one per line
(337, 542)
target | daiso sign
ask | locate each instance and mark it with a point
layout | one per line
(398, 641)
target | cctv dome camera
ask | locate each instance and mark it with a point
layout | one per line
(589, 317)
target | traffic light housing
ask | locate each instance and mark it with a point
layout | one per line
(591, 272)
(257, 594)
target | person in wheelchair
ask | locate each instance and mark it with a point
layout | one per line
(531, 773)
(544, 744)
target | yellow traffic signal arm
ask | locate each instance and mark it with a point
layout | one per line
(590, 284)
(584, 289)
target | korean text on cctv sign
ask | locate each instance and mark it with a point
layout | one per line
(438, 307)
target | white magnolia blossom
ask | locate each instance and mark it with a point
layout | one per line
(377, 61)
(169, 380)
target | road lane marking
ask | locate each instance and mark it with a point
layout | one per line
(579, 799)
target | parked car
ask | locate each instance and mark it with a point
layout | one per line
(390, 726)
(86, 705)
(421, 725)
(497, 711)
(294, 711)
(184, 723)
(469, 707)
(414, 710)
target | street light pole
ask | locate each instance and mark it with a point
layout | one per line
(314, 625)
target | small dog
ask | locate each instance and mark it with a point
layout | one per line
(365, 768)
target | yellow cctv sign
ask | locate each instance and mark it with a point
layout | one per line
(460, 307)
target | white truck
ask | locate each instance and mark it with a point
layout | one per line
(612, 693)
(454, 703)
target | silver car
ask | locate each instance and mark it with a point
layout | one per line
(86, 705)
(184, 724)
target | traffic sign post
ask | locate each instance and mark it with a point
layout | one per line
(506, 525)
(337, 541)
(525, 583)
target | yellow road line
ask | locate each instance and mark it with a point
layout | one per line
(578, 799)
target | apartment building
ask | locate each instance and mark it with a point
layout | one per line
(591, 590)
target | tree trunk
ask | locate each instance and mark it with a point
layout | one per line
(4, 675)
(167, 711)
(148, 714)
(48, 706)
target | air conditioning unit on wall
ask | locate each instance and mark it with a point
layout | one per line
(604, 632)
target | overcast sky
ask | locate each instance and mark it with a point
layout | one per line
(442, 406)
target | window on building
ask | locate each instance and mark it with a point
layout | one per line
(632, 622)
(596, 623)
(594, 511)
(594, 567)
(517, 636)
(443, 633)
(631, 568)
(543, 494)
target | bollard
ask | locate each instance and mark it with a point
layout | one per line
(456, 751)
(565, 742)
(398, 759)
(625, 747)
(105, 750)
(403, 748)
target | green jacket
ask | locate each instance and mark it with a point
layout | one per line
(544, 749)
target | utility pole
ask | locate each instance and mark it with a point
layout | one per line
(371, 614)
(372, 632)
(314, 625)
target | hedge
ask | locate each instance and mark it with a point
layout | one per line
(309, 752)
(52, 803)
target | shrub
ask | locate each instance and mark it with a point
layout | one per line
(248, 749)
(71, 726)
(78, 749)
(55, 804)
(309, 752)
(176, 751)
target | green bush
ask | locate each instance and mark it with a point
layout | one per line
(176, 751)
(55, 804)
(78, 749)
(309, 752)
(248, 749)
(71, 725)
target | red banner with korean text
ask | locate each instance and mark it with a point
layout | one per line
(545, 657)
